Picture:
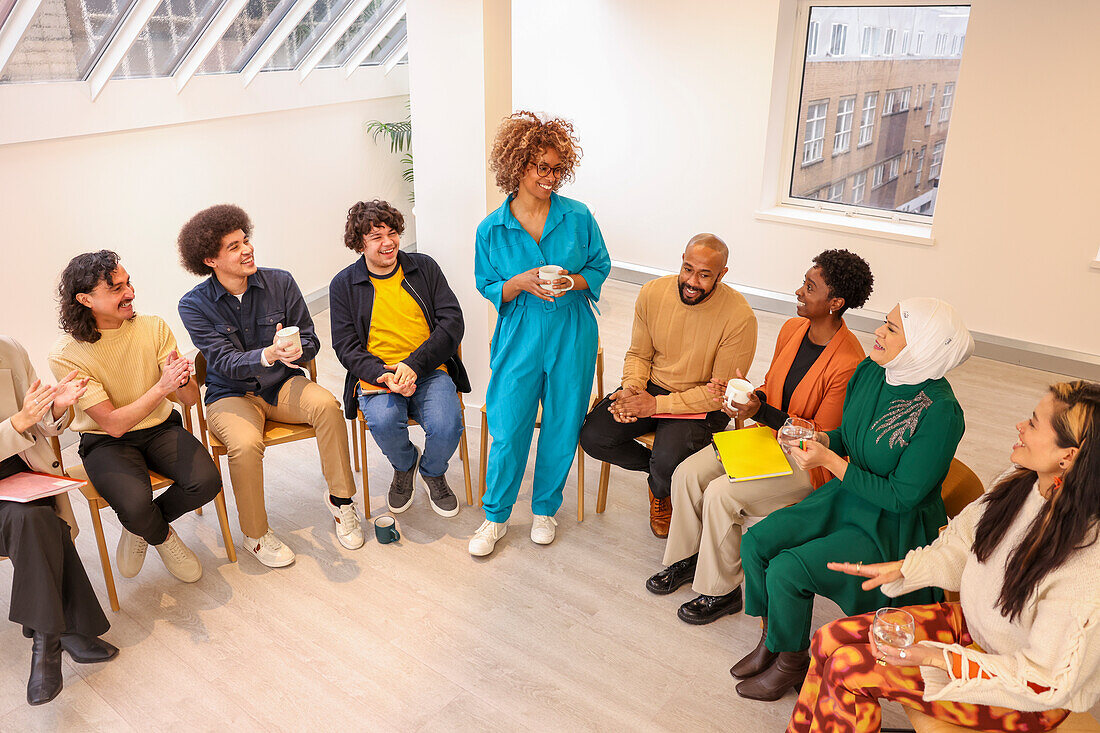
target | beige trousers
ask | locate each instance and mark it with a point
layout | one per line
(239, 423)
(708, 511)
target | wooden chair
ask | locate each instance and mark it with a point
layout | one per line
(97, 503)
(483, 459)
(359, 448)
(647, 441)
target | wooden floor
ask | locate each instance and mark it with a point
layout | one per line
(419, 636)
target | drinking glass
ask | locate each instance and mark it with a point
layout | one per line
(893, 627)
(796, 429)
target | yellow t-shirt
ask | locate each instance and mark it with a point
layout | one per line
(397, 323)
(122, 366)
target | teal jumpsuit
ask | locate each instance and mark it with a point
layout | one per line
(541, 351)
(899, 442)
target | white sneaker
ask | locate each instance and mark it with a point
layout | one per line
(486, 536)
(348, 528)
(130, 555)
(179, 559)
(542, 529)
(269, 550)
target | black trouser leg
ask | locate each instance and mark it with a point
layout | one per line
(613, 442)
(177, 454)
(50, 591)
(675, 440)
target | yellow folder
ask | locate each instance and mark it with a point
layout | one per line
(751, 453)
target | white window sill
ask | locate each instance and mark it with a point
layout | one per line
(897, 231)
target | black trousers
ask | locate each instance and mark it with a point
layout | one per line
(119, 469)
(50, 591)
(613, 442)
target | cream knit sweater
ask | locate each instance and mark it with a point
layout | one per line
(1055, 643)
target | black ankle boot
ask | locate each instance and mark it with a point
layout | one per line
(45, 680)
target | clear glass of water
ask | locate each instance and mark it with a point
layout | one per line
(796, 429)
(894, 627)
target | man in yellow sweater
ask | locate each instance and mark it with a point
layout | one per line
(688, 329)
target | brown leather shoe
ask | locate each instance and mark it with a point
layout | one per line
(660, 515)
(787, 673)
(755, 661)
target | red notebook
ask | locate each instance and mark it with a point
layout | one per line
(26, 486)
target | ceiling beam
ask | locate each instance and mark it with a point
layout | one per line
(395, 58)
(275, 39)
(119, 45)
(215, 29)
(371, 42)
(332, 35)
(19, 19)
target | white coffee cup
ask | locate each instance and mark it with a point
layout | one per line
(291, 337)
(737, 390)
(549, 273)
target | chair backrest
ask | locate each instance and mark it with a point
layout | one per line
(961, 487)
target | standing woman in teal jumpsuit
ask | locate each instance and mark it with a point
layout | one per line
(544, 346)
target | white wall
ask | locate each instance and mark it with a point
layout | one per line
(671, 103)
(295, 172)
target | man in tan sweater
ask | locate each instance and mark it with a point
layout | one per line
(688, 329)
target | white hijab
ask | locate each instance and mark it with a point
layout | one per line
(936, 341)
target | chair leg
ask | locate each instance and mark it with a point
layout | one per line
(464, 452)
(601, 496)
(580, 484)
(223, 520)
(104, 556)
(199, 511)
(362, 428)
(355, 446)
(482, 459)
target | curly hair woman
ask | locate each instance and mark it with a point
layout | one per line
(815, 356)
(544, 346)
(1021, 649)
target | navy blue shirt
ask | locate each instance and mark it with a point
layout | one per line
(232, 333)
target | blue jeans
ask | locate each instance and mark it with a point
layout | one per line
(434, 405)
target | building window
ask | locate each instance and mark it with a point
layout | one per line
(878, 175)
(836, 191)
(919, 42)
(888, 42)
(838, 39)
(946, 101)
(870, 41)
(859, 187)
(936, 162)
(941, 44)
(920, 165)
(867, 118)
(842, 139)
(931, 104)
(920, 96)
(897, 100)
(892, 168)
(956, 46)
(811, 40)
(904, 42)
(814, 142)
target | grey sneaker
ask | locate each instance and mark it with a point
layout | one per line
(442, 499)
(401, 488)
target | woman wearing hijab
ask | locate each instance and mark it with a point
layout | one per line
(899, 430)
(1022, 647)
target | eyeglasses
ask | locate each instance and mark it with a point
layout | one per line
(544, 170)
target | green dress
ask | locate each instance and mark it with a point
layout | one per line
(900, 442)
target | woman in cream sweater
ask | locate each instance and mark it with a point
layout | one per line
(1022, 648)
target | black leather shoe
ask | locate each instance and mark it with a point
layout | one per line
(45, 680)
(673, 576)
(788, 672)
(88, 649)
(704, 609)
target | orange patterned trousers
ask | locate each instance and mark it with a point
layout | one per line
(845, 682)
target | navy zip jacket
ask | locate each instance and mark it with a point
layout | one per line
(231, 333)
(351, 299)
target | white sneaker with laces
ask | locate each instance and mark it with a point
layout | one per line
(130, 555)
(542, 529)
(486, 536)
(269, 550)
(348, 528)
(179, 559)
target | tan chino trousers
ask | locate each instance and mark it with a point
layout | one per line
(708, 511)
(239, 422)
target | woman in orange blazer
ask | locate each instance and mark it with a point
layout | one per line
(815, 355)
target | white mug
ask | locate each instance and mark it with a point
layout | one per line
(737, 390)
(291, 336)
(550, 273)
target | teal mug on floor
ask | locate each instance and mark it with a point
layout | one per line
(385, 529)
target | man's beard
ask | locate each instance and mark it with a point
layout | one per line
(684, 299)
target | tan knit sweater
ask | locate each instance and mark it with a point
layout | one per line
(122, 366)
(1054, 644)
(681, 347)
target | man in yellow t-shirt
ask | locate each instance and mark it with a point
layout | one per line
(126, 422)
(396, 328)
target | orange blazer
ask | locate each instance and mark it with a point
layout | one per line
(820, 394)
